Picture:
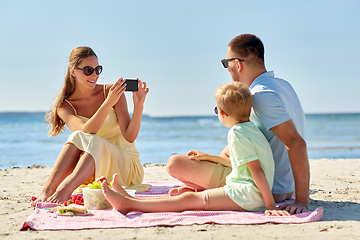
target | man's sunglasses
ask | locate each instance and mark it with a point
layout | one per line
(89, 70)
(225, 62)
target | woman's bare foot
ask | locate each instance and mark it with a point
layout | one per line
(116, 199)
(43, 196)
(180, 190)
(61, 195)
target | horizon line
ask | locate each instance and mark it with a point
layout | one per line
(174, 116)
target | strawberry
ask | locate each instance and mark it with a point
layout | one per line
(78, 202)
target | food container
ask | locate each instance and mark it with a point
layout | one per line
(94, 199)
(131, 192)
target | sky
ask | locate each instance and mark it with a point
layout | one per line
(176, 48)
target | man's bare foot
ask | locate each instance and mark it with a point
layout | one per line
(116, 199)
(180, 190)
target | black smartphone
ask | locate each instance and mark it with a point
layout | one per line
(132, 85)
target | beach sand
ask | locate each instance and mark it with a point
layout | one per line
(335, 186)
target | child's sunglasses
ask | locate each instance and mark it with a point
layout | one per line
(89, 70)
(216, 110)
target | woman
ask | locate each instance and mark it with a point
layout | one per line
(102, 142)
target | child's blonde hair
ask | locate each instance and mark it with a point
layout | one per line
(234, 98)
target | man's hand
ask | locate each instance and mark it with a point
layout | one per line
(276, 212)
(197, 155)
(299, 160)
(201, 156)
(294, 208)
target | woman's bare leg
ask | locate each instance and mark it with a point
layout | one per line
(64, 166)
(84, 169)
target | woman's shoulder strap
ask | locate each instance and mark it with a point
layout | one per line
(105, 91)
(71, 106)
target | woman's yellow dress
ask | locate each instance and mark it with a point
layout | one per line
(110, 150)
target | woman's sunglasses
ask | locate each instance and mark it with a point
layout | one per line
(89, 70)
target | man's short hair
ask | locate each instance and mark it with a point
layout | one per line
(235, 99)
(248, 46)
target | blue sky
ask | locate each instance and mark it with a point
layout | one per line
(176, 47)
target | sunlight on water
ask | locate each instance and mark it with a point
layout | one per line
(24, 140)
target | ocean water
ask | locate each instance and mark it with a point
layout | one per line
(24, 141)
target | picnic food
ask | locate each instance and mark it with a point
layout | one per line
(96, 185)
(140, 187)
(71, 209)
(95, 199)
(79, 189)
(79, 200)
(85, 184)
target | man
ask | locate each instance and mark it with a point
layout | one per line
(277, 112)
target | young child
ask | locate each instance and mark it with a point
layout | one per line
(248, 187)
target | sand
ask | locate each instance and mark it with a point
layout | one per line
(335, 186)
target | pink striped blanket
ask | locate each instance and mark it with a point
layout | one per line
(42, 219)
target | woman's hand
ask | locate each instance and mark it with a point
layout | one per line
(140, 95)
(115, 91)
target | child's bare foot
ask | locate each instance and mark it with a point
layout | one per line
(117, 187)
(115, 184)
(116, 199)
(181, 190)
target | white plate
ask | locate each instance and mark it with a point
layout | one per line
(83, 214)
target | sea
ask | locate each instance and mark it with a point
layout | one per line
(24, 140)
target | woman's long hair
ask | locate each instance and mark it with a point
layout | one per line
(52, 117)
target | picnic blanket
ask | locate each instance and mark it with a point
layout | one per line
(42, 219)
